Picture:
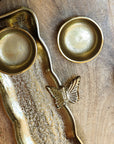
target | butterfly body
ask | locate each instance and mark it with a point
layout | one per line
(66, 94)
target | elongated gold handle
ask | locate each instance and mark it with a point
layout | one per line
(14, 111)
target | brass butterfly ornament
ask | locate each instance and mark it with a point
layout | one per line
(67, 93)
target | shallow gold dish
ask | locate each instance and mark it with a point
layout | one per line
(17, 50)
(80, 39)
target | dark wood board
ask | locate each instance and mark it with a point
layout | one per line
(94, 112)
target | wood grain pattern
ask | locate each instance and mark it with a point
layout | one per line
(94, 112)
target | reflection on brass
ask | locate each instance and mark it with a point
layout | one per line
(66, 94)
(17, 50)
(25, 19)
(80, 39)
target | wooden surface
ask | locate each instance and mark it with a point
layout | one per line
(94, 112)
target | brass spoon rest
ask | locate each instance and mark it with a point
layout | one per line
(24, 18)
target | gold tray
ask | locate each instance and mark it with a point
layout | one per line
(27, 101)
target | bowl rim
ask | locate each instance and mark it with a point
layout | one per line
(79, 18)
(35, 48)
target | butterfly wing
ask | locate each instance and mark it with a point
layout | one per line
(73, 90)
(58, 95)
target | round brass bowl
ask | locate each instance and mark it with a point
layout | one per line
(17, 50)
(80, 39)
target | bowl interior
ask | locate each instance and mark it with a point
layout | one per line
(80, 39)
(17, 50)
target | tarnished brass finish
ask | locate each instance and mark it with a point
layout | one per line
(25, 18)
(17, 51)
(80, 39)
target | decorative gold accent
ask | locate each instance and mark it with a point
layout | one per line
(66, 94)
(25, 18)
(80, 39)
